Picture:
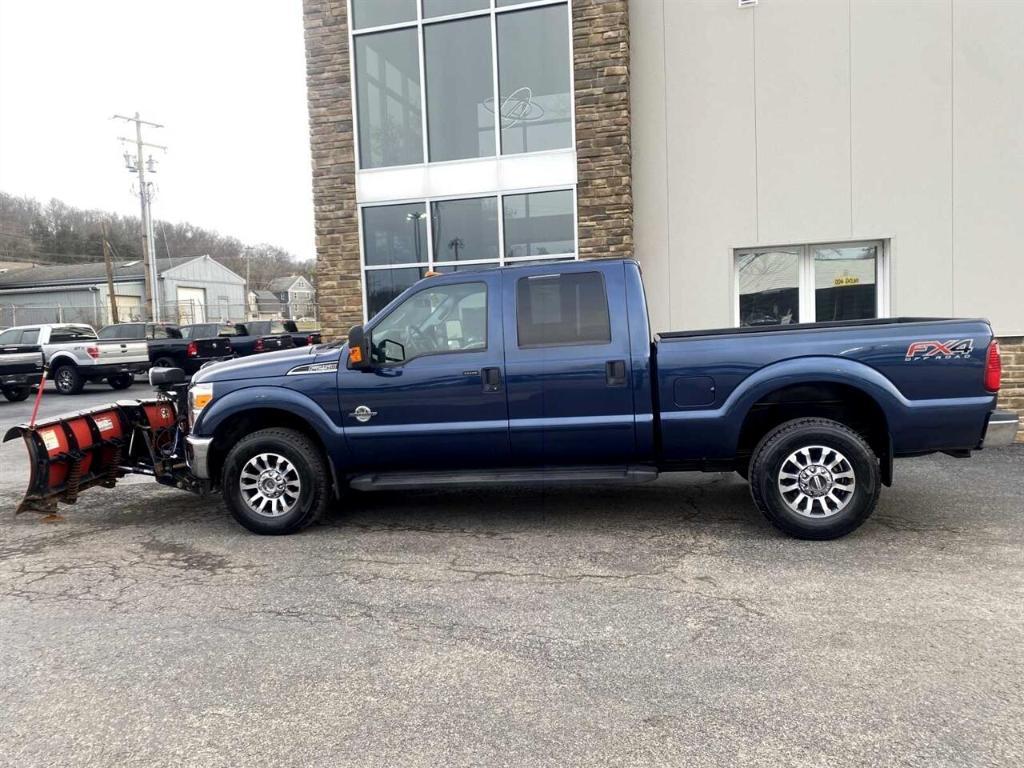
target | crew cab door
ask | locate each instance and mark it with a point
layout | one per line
(569, 372)
(435, 396)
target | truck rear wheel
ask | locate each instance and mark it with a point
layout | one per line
(68, 380)
(276, 481)
(815, 478)
(17, 394)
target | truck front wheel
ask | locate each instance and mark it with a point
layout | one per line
(815, 478)
(276, 481)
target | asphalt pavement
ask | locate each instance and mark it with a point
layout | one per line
(664, 625)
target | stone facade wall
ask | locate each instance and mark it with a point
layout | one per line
(338, 272)
(1011, 393)
(600, 36)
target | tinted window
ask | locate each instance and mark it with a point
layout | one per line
(383, 285)
(533, 80)
(562, 309)
(539, 224)
(10, 336)
(395, 234)
(460, 89)
(388, 99)
(109, 332)
(30, 337)
(159, 332)
(375, 13)
(465, 230)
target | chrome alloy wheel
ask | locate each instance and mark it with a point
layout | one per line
(65, 379)
(817, 481)
(270, 485)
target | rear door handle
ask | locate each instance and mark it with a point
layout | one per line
(615, 373)
(492, 379)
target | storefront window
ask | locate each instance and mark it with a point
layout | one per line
(465, 230)
(388, 99)
(463, 42)
(539, 224)
(533, 80)
(810, 283)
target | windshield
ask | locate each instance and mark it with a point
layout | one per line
(446, 318)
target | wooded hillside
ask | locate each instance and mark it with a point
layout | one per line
(57, 233)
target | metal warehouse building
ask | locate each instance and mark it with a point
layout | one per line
(192, 289)
(766, 162)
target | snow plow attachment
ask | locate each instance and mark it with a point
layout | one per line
(72, 453)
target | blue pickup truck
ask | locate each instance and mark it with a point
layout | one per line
(549, 373)
(545, 374)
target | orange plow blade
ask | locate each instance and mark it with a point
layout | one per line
(72, 453)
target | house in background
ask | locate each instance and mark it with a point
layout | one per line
(264, 305)
(191, 289)
(294, 293)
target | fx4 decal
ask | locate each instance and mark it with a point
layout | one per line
(940, 350)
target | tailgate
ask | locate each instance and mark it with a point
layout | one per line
(271, 343)
(219, 346)
(20, 359)
(113, 352)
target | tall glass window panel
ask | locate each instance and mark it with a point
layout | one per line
(539, 224)
(388, 99)
(383, 285)
(465, 230)
(845, 283)
(445, 7)
(533, 80)
(395, 234)
(460, 89)
(377, 13)
(769, 287)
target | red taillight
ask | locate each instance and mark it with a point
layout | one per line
(259, 346)
(93, 351)
(993, 367)
(192, 350)
(311, 339)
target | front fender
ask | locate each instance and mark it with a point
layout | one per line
(296, 404)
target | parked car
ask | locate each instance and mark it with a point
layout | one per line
(75, 355)
(548, 373)
(300, 338)
(168, 348)
(21, 363)
(244, 337)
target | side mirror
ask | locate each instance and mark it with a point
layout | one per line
(166, 377)
(358, 349)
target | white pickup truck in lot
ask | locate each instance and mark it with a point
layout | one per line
(74, 355)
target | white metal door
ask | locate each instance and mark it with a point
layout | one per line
(191, 305)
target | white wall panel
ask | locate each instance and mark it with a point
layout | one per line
(709, 107)
(802, 54)
(901, 138)
(988, 161)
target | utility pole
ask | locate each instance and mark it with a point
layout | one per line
(110, 275)
(139, 166)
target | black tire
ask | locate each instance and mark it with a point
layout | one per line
(817, 516)
(67, 379)
(165, 362)
(121, 381)
(17, 394)
(310, 468)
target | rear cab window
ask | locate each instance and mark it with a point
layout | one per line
(562, 310)
(69, 333)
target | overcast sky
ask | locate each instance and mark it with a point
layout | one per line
(227, 78)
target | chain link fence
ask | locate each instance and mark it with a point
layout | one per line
(180, 313)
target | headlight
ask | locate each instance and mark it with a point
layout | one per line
(199, 396)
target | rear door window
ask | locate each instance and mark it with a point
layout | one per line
(563, 309)
(30, 336)
(72, 333)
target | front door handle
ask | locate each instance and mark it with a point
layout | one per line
(492, 379)
(615, 373)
